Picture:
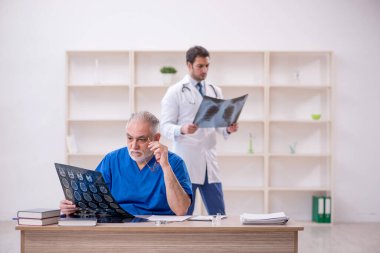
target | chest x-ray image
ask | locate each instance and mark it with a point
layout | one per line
(214, 112)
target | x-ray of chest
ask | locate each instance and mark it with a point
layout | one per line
(214, 112)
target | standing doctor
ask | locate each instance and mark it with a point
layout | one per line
(195, 145)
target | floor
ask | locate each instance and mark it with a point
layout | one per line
(337, 238)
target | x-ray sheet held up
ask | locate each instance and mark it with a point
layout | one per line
(214, 112)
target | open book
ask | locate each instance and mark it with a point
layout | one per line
(264, 219)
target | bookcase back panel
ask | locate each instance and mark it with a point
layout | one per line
(148, 65)
(302, 138)
(305, 69)
(238, 143)
(236, 68)
(149, 99)
(296, 204)
(98, 138)
(299, 172)
(242, 171)
(238, 202)
(95, 69)
(86, 162)
(99, 103)
(299, 104)
(254, 105)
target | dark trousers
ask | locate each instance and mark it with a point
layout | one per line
(212, 196)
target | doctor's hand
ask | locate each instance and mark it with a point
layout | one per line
(160, 152)
(189, 129)
(232, 128)
(67, 207)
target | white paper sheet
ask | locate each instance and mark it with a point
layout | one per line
(204, 217)
(168, 218)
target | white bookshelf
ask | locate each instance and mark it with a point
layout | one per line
(284, 89)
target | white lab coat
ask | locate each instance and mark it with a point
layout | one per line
(198, 150)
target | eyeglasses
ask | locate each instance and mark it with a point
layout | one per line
(155, 166)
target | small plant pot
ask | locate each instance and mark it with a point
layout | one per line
(167, 78)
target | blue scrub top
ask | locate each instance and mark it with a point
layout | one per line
(141, 192)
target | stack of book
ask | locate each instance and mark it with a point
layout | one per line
(264, 219)
(38, 216)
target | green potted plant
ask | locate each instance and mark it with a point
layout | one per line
(168, 70)
(167, 74)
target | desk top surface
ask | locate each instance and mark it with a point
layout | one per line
(230, 224)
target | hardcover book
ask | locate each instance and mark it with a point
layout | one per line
(38, 222)
(38, 213)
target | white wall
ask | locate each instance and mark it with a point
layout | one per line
(34, 36)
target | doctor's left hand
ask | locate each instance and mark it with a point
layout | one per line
(160, 152)
(233, 128)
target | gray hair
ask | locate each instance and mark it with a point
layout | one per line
(147, 117)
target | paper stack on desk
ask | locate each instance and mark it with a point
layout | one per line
(264, 219)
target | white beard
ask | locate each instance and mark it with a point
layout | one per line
(145, 156)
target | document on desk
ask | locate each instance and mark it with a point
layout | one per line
(204, 217)
(214, 112)
(168, 218)
(264, 219)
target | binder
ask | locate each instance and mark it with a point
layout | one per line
(318, 209)
(327, 212)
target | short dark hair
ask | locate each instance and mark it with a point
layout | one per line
(195, 51)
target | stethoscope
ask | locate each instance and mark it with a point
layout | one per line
(191, 98)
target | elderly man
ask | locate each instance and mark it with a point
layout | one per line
(144, 177)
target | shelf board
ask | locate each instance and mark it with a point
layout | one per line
(236, 188)
(231, 154)
(300, 86)
(86, 154)
(91, 53)
(299, 53)
(97, 120)
(255, 86)
(300, 189)
(298, 155)
(279, 121)
(257, 121)
(98, 85)
(139, 86)
(309, 223)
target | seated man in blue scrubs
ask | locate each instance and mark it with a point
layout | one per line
(144, 177)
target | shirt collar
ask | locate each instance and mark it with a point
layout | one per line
(194, 82)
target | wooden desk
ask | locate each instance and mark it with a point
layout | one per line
(188, 236)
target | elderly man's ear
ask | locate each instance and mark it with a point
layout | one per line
(157, 137)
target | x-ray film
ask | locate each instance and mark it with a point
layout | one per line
(88, 191)
(214, 112)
